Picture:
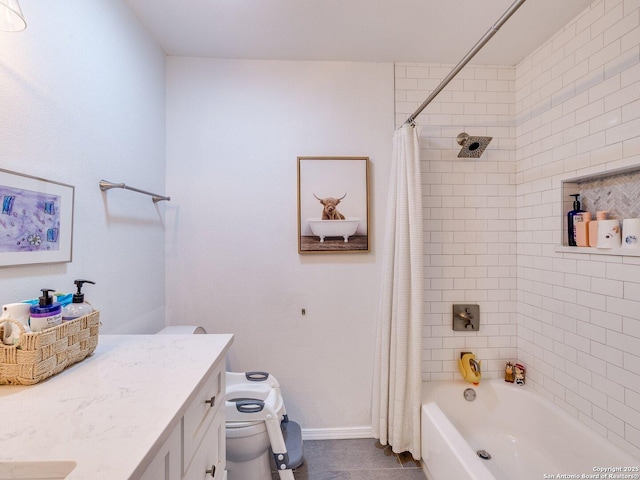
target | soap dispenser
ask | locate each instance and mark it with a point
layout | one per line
(571, 237)
(46, 314)
(77, 308)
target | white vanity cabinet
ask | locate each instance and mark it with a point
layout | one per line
(142, 407)
(167, 464)
(195, 449)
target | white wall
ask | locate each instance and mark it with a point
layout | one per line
(235, 129)
(469, 212)
(82, 98)
(578, 112)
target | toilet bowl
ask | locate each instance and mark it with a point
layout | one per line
(248, 455)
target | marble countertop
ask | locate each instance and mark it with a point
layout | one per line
(111, 411)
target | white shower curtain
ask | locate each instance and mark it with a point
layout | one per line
(397, 367)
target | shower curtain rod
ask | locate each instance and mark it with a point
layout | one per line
(476, 48)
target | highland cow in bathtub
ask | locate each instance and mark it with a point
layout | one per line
(330, 210)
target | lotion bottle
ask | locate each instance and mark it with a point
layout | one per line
(78, 307)
(571, 232)
(46, 314)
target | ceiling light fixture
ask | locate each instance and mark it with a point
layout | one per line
(11, 18)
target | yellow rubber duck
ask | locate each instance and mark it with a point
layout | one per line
(469, 368)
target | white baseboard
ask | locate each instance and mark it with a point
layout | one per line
(336, 433)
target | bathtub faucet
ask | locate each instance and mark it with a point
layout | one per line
(467, 316)
(475, 366)
(469, 367)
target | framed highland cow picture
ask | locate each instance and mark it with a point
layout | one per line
(333, 204)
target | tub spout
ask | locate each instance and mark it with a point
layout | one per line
(475, 366)
(469, 368)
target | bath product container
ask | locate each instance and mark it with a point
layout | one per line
(593, 227)
(78, 307)
(631, 233)
(46, 314)
(581, 223)
(508, 373)
(609, 234)
(571, 232)
(520, 374)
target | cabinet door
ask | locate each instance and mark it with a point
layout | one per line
(209, 461)
(206, 405)
(167, 464)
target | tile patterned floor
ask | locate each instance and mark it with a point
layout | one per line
(355, 459)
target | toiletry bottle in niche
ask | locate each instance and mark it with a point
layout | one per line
(571, 232)
(581, 223)
(78, 308)
(46, 314)
(593, 227)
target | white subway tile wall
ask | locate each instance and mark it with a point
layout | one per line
(578, 314)
(570, 109)
(469, 212)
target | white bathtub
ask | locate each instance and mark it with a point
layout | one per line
(527, 436)
(333, 228)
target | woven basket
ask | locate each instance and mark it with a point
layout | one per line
(40, 355)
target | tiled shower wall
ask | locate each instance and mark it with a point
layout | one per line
(578, 113)
(469, 212)
(570, 109)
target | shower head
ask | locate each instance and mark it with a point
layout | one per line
(472, 147)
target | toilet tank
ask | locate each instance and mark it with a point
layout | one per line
(182, 330)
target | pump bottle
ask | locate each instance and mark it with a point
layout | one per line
(78, 308)
(46, 314)
(571, 232)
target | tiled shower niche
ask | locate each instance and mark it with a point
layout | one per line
(617, 192)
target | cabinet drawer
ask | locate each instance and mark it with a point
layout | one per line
(209, 460)
(205, 406)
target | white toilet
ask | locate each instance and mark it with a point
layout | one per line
(256, 424)
(248, 404)
(248, 451)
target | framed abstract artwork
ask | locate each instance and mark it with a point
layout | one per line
(333, 204)
(36, 221)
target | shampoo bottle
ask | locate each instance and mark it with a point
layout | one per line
(581, 222)
(593, 227)
(46, 314)
(78, 308)
(571, 232)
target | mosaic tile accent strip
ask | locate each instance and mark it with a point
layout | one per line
(619, 194)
